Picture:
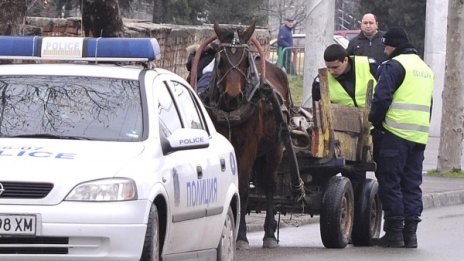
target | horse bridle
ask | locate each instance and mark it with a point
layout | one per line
(203, 45)
(233, 49)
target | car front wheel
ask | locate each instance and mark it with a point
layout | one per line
(151, 247)
(226, 247)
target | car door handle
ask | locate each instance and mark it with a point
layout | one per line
(223, 165)
(199, 172)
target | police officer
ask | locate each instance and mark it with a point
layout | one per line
(400, 113)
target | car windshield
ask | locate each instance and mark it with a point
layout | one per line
(70, 107)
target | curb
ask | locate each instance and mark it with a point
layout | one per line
(255, 221)
(443, 199)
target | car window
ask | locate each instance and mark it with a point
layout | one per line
(70, 107)
(189, 109)
(169, 117)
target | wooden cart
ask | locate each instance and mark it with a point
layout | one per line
(327, 140)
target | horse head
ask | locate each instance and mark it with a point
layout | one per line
(233, 64)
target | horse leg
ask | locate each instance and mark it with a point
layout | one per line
(245, 163)
(270, 224)
(264, 167)
(242, 241)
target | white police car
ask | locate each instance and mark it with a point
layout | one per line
(109, 162)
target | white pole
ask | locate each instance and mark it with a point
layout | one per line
(319, 31)
(435, 54)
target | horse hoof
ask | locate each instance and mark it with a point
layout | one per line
(242, 245)
(270, 243)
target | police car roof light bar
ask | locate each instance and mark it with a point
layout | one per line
(79, 48)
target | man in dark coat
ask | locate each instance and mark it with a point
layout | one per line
(285, 44)
(369, 41)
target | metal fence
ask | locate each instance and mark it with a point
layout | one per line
(296, 65)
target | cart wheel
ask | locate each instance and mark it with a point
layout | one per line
(368, 213)
(336, 220)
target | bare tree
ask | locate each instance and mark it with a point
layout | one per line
(278, 11)
(12, 16)
(452, 123)
(102, 18)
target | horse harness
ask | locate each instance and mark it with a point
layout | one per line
(256, 89)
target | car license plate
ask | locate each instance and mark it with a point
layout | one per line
(12, 224)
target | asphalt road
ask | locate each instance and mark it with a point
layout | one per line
(440, 238)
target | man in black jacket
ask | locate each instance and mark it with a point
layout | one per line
(369, 41)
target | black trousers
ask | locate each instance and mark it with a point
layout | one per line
(399, 173)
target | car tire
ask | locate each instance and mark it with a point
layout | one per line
(151, 246)
(337, 212)
(226, 248)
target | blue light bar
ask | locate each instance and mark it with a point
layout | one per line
(79, 48)
(19, 45)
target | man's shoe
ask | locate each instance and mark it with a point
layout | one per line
(409, 234)
(391, 240)
(393, 234)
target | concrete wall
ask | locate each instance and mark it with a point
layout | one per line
(173, 39)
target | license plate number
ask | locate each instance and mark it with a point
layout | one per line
(11, 224)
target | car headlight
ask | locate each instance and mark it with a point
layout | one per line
(104, 190)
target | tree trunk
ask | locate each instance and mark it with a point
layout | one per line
(102, 18)
(452, 123)
(12, 16)
(163, 12)
(320, 26)
(158, 11)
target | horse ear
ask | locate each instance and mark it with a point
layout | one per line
(219, 32)
(246, 35)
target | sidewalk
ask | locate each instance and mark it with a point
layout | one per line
(437, 192)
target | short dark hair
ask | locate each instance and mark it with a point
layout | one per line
(335, 52)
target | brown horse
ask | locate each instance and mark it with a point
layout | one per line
(245, 99)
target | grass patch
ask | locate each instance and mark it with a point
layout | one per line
(296, 88)
(453, 174)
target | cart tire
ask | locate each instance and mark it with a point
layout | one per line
(337, 211)
(368, 213)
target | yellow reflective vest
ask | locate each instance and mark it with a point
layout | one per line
(338, 94)
(409, 114)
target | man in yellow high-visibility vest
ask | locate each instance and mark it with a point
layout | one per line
(348, 77)
(400, 113)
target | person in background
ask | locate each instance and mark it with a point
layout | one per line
(348, 78)
(285, 44)
(206, 57)
(203, 82)
(400, 113)
(369, 41)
